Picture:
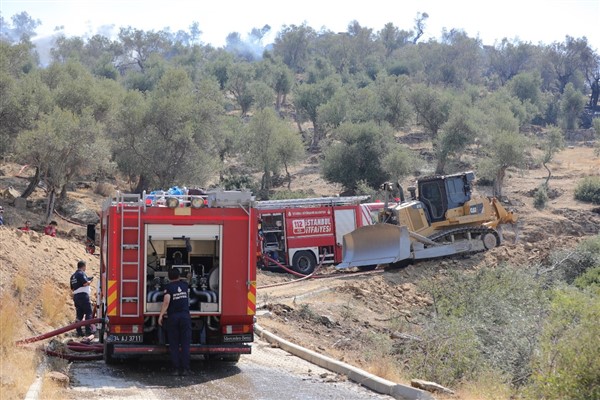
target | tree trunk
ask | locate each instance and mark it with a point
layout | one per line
(278, 101)
(50, 206)
(549, 174)
(441, 166)
(142, 184)
(314, 143)
(266, 181)
(63, 193)
(499, 182)
(35, 180)
(288, 176)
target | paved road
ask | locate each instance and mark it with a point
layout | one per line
(268, 373)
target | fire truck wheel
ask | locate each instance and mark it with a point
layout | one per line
(304, 262)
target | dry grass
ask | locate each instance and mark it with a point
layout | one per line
(387, 368)
(104, 189)
(17, 365)
(53, 304)
(20, 283)
(8, 330)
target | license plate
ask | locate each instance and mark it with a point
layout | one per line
(133, 338)
(238, 338)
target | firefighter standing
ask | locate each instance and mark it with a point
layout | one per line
(179, 324)
(80, 285)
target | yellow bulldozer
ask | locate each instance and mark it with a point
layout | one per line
(441, 219)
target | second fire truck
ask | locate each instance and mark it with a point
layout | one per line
(301, 233)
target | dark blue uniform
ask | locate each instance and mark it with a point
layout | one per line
(179, 324)
(81, 299)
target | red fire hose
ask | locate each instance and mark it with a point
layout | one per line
(77, 347)
(266, 259)
(59, 331)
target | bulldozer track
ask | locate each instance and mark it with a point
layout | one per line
(465, 231)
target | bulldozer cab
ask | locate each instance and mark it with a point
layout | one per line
(441, 193)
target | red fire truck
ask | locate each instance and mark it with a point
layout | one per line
(210, 238)
(300, 233)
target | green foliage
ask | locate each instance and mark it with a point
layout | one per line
(507, 149)
(498, 313)
(237, 182)
(432, 107)
(399, 162)
(358, 155)
(572, 103)
(588, 190)
(596, 126)
(540, 198)
(568, 363)
(391, 98)
(447, 352)
(271, 145)
(457, 134)
(589, 279)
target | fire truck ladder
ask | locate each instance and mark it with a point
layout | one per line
(130, 203)
(317, 201)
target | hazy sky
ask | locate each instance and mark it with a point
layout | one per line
(534, 21)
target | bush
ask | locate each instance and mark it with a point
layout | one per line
(567, 265)
(588, 190)
(502, 307)
(237, 182)
(448, 352)
(540, 198)
(590, 279)
(568, 364)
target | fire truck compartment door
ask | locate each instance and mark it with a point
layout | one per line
(345, 222)
(194, 232)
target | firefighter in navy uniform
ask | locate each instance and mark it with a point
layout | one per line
(80, 285)
(179, 323)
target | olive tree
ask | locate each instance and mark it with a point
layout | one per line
(506, 149)
(159, 136)
(271, 145)
(62, 145)
(358, 154)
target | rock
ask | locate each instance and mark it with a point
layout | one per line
(10, 193)
(58, 377)
(404, 336)
(430, 386)
(86, 217)
(327, 320)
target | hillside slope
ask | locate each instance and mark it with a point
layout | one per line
(348, 309)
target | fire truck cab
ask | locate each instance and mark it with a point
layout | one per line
(301, 233)
(210, 238)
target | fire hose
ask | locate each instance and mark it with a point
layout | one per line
(77, 347)
(267, 259)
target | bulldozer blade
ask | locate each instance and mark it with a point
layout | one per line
(375, 244)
